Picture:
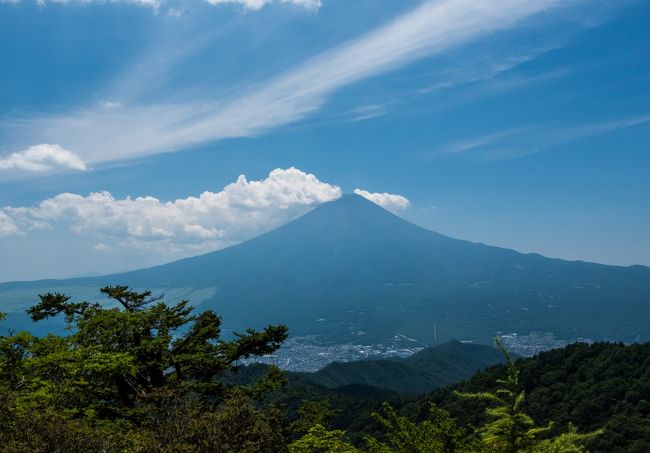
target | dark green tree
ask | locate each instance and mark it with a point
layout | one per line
(127, 346)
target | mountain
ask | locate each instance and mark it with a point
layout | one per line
(353, 272)
(428, 369)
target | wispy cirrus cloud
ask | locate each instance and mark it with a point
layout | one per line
(155, 4)
(482, 141)
(533, 138)
(132, 130)
(252, 5)
(256, 5)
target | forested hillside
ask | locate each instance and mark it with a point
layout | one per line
(602, 385)
(428, 369)
(599, 385)
(142, 375)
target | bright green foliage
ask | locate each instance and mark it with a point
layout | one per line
(120, 353)
(43, 429)
(177, 422)
(510, 429)
(13, 352)
(321, 440)
(143, 376)
(313, 420)
(172, 422)
(438, 434)
(569, 442)
(134, 374)
(312, 413)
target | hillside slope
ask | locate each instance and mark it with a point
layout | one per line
(602, 385)
(422, 372)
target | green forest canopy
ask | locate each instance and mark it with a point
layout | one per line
(138, 374)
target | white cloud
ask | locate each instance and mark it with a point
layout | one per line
(111, 104)
(366, 112)
(532, 138)
(478, 142)
(253, 5)
(155, 4)
(389, 201)
(241, 210)
(7, 226)
(186, 226)
(256, 5)
(101, 247)
(111, 234)
(432, 28)
(42, 158)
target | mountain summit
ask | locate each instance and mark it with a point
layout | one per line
(351, 270)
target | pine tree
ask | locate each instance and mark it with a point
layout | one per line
(511, 429)
(122, 349)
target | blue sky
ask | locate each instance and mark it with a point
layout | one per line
(514, 123)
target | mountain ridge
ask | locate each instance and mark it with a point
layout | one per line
(349, 270)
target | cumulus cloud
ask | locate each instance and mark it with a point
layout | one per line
(389, 201)
(256, 5)
(241, 210)
(42, 158)
(8, 226)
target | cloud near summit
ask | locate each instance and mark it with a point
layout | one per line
(390, 201)
(241, 210)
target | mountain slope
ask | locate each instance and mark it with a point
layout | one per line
(351, 271)
(422, 372)
(602, 385)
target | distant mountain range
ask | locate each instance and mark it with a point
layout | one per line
(351, 271)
